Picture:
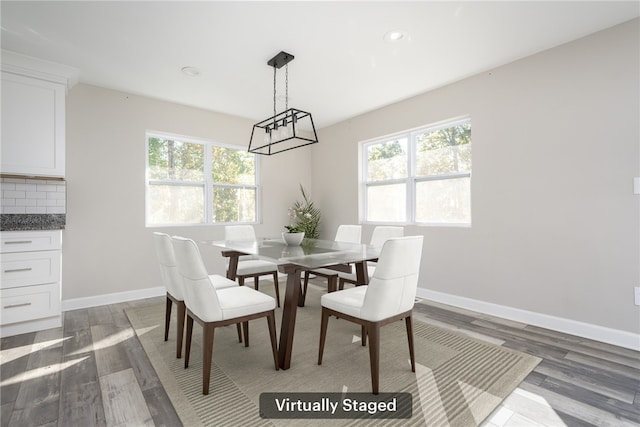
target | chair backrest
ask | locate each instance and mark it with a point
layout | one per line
(392, 289)
(168, 269)
(200, 295)
(349, 233)
(239, 232)
(382, 233)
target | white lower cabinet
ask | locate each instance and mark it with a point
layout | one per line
(30, 268)
(31, 275)
(29, 303)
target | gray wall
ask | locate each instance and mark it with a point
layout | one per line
(555, 148)
(106, 247)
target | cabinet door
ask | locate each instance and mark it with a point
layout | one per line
(33, 126)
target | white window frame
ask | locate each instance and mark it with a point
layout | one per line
(411, 179)
(208, 185)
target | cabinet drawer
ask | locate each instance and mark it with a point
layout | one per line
(29, 268)
(29, 303)
(24, 241)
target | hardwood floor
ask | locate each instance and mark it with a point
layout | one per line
(93, 372)
(579, 382)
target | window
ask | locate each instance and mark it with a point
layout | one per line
(199, 182)
(419, 177)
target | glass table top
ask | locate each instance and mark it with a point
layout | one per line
(312, 253)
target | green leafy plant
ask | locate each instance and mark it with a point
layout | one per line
(304, 216)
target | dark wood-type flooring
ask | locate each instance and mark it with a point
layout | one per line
(94, 372)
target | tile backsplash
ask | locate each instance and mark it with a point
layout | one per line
(33, 196)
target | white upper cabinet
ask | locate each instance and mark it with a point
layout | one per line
(33, 117)
(33, 126)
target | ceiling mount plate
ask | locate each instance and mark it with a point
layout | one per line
(280, 60)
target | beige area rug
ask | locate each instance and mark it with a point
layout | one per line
(458, 381)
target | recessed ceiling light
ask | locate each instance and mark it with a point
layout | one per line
(191, 71)
(395, 36)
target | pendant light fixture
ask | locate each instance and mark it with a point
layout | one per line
(292, 128)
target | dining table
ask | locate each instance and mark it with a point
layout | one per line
(311, 254)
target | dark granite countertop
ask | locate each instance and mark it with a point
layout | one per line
(24, 222)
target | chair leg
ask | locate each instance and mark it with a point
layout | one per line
(275, 283)
(271, 322)
(306, 283)
(187, 346)
(373, 330)
(239, 332)
(302, 294)
(363, 333)
(240, 280)
(332, 283)
(167, 318)
(256, 284)
(245, 326)
(207, 355)
(182, 309)
(408, 320)
(323, 333)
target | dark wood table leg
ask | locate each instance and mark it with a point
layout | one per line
(231, 275)
(289, 310)
(233, 266)
(362, 274)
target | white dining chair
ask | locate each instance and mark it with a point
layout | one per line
(250, 266)
(172, 281)
(380, 234)
(212, 307)
(345, 233)
(390, 296)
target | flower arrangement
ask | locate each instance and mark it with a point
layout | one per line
(304, 216)
(292, 228)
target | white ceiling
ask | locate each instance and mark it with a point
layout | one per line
(342, 65)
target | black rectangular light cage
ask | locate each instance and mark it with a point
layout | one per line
(285, 131)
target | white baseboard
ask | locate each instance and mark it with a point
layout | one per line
(95, 301)
(586, 330)
(599, 333)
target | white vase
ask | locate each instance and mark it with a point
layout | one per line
(293, 239)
